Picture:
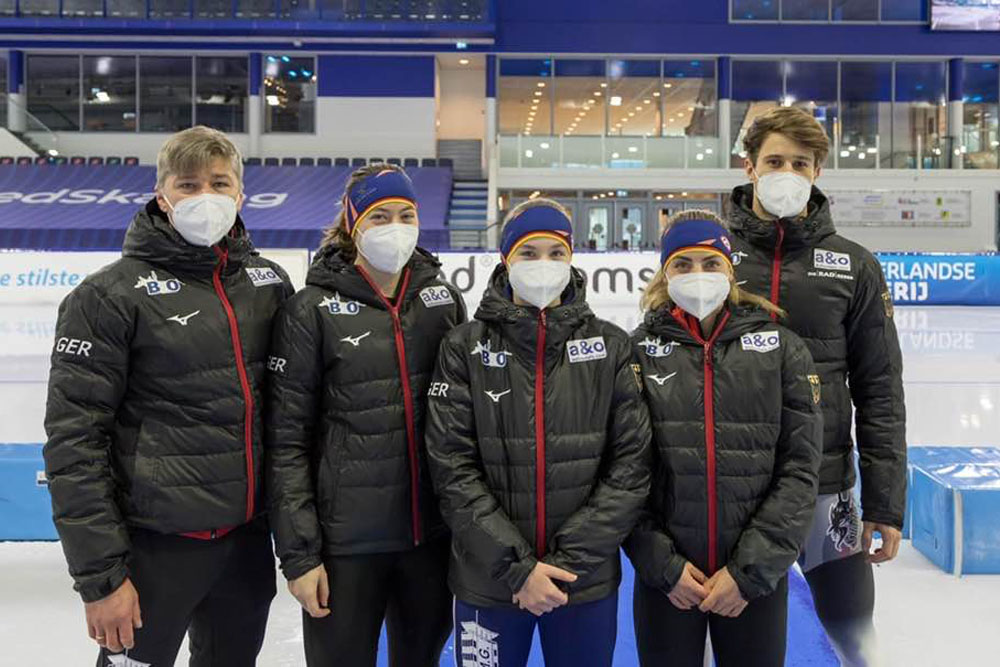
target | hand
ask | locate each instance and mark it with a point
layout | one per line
(689, 590)
(110, 621)
(312, 590)
(539, 594)
(891, 538)
(724, 597)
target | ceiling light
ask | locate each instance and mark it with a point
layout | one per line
(541, 84)
(463, 61)
(656, 94)
(616, 100)
(544, 145)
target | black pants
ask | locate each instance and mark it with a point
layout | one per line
(218, 591)
(844, 594)
(409, 590)
(665, 635)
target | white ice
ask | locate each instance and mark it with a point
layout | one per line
(925, 618)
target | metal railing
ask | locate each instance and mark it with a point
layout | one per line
(31, 130)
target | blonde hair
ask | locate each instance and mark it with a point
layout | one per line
(657, 296)
(336, 233)
(796, 124)
(193, 149)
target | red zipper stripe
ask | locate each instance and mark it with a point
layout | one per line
(540, 438)
(234, 332)
(776, 267)
(694, 329)
(404, 376)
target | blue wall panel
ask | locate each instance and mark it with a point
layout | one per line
(376, 76)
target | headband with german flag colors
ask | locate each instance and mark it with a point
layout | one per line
(705, 235)
(382, 187)
(537, 222)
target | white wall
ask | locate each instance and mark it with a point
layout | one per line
(345, 127)
(462, 112)
(12, 146)
(983, 185)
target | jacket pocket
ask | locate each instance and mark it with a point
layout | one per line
(328, 475)
(145, 473)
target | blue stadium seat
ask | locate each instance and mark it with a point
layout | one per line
(131, 161)
(324, 162)
(428, 162)
(411, 162)
(395, 160)
(341, 162)
(41, 159)
(113, 160)
(446, 162)
(376, 160)
(307, 162)
(289, 162)
(252, 161)
(271, 162)
(358, 162)
(25, 160)
(94, 160)
(77, 160)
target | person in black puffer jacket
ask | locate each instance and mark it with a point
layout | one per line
(154, 448)
(355, 520)
(838, 302)
(734, 403)
(538, 440)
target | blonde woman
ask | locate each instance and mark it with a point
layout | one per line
(737, 429)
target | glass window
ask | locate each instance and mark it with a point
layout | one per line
(290, 92)
(904, 10)
(755, 10)
(525, 106)
(255, 9)
(213, 9)
(980, 139)
(579, 97)
(919, 132)
(633, 106)
(3, 87)
(109, 93)
(39, 7)
(812, 85)
(855, 10)
(83, 8)
(126, 8)
(866, 114)
(164, 93)
(222, 88)
(689, 98)
(167, 9)
(53, 85)
(8, 7)
(805, 10)
(757, 88)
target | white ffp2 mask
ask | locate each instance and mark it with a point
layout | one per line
(539, 281)
(784, 194)
(699, 293)
(204, 219)
(389, 247)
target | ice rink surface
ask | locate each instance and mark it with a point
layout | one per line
(925, 618)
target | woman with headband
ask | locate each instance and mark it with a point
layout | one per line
(356, 525)
(538, 440)
(737, 433)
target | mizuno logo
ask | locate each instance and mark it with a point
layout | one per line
(660, 380)
(495, 397)
(355, 340)
(183, 321)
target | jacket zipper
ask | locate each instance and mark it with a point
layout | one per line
(234, 332)
(540, 438)
(776, 267)
(404, 376)
(710, 471)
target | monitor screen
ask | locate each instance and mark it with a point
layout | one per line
(965, 14)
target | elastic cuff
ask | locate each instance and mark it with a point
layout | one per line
(519, 573)
(94, 589)
(893, 520)
(748, 589)
(296, 567)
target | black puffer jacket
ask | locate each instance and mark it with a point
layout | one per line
(153, 415)
(346, 472)
(521, 479)
(738, 433)
(838, 302)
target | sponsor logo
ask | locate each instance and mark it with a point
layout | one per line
(739, 256)
(496, 396)
(263, 276)
(829, 274)
(154, 286)
(74, 346)
(816, 387)
(436, 296)
(586, 349)
(276, 364)
(661, 379)
(355, 340)
(40, 478)
(479, 646)
(183, 321)
(118, 196)
(489, 358)
(337, 306)
(653, 347)
(438, 390)
(830, 260)
(763, 341)
(122, 660)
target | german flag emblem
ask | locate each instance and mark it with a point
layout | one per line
(814, 384)
(637, 373)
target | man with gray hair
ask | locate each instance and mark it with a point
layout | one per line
(154, 427)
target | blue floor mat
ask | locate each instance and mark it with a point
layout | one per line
(807, 643)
